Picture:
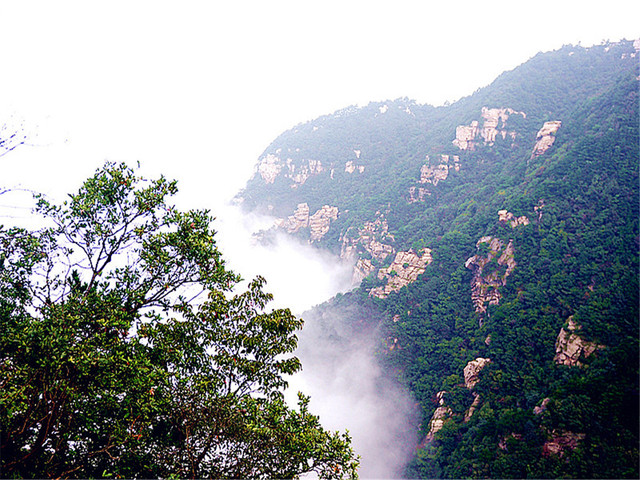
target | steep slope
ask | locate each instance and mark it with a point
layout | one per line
(499, 236)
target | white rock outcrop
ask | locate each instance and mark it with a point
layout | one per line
(301, 174)
(485, 285)
(546, 137)
(465, 135)
(472, 370)
(441, 413)
(320, 221)
(404, 269)
(495, 119)
(351, 167)
(370, 238)
(571, 348)
(418, 194)
(471, 378)
(269, 167)
(433, 173)
(561, 441)
(362, 269)
(506, 216)
(539, 410)
(299, 219)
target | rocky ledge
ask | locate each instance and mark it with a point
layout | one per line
(404, 270)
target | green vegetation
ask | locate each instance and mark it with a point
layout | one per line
(576, 258)
(124, 352)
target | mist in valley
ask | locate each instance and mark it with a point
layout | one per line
(339, 346)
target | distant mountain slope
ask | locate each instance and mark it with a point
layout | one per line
(499, 236)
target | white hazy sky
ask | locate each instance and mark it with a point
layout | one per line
(197, 89)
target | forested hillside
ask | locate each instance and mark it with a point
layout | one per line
(498, 238)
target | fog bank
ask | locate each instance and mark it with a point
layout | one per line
(338, 346)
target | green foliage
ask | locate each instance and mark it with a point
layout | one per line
(113, 364)
(577, 257)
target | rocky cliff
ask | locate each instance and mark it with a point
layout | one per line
(441, 413)
(404, 269)
(495, 120)
(546, 137)
(490, 271)
(571, 349)
(318, 223)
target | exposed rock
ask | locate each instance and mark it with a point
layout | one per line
(571, 348)
(299, 219)
(545, 137)
(418, 194)
(537, 410)
(403, 270)
(485, 285)
(433, 174)
(362, 270)
(465, 134)
(301, 174)
(502, 444)
(472, 409)
(495, 120)
(505, 216)
(472, 370)
(538, 208)
(438, 418)
(319, 222)
(269, 167)
(351, 167)
(561, 441)
(370, 238)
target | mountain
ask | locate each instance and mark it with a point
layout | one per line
(498, 238)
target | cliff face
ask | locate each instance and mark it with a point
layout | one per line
(369, 238)
(546, 137)
(472, 370)
(299, 219)
(271, 165)
(318, 223)
(440, 415)
(489, 277)
(571, 349)
(508, 217)
(404, 270)
(440, 170)
(495, 120)
(351, 167)
(561, 441)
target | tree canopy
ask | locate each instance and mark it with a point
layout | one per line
(126, 351)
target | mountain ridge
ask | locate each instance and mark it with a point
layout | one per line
(497, 235)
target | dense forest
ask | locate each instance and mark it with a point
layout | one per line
(497, 240)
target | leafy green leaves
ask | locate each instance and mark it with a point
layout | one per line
(109, 367)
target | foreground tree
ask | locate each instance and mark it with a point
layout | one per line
(124, 352)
